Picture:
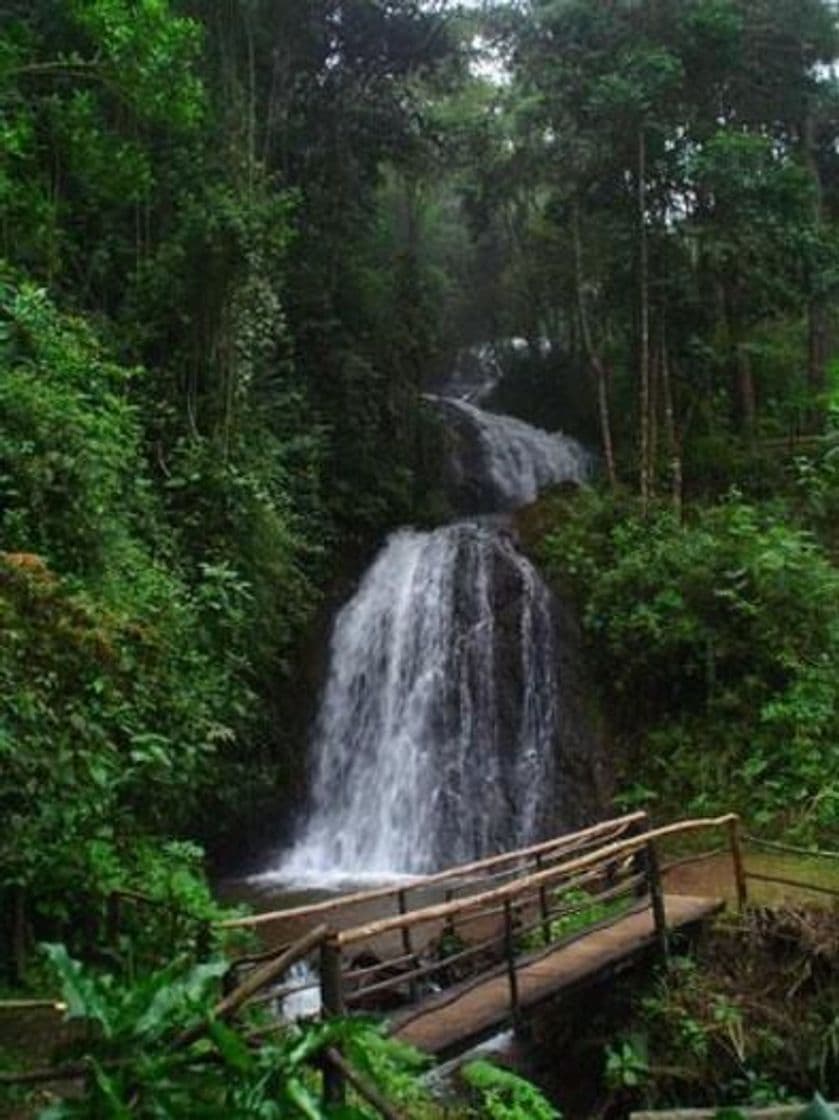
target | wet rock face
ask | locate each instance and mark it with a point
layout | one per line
(468, 485)
(451, 721)
(499, 464)
(578, 775)
(435, 738)
(583, 795)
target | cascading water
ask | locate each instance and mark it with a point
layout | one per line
(436, 740)
(515, 460)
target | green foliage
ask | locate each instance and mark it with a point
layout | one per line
(83, 87)
(139, 1068)
(505, 1096)
(626, 1065)
(69, 441)
(117, 689)
(670, 157)
(213, 327)
(695, 1041)
(587, 912)
(151, 53)
(717, 637)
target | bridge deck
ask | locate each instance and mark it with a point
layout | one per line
(454, 1019)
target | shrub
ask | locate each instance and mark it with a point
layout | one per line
(716, 643)
(115, 692)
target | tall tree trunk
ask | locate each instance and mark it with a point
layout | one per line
(596, 365)
(655, 397)
(817, 318)
(746, 390)
(741, 375)
(251, 97)
(644, 292)
(673, 447)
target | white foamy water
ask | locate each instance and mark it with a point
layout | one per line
(425, 751)
(520, 460)
(305, 1003)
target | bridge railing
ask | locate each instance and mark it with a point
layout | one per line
(412, 895)
(529, 902)
(532, 912)
(802, 860)
(493, 910)
(496, 915)
(456, 878)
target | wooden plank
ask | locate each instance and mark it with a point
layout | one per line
(445, 1027)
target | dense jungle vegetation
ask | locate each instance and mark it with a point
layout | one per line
(240, 238)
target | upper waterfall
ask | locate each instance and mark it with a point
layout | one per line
(500, 463)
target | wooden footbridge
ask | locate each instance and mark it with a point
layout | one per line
(454, 956)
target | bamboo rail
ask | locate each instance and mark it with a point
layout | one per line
(523, 904)
(224, 1009)
(258, 979)
(17, 1005)
(686, 861)
(606, 854)
(360, 1083)
(422, 882)
(336, 1069)
(797, 883)
(775, 1112)
(775, 846)
(515, 900)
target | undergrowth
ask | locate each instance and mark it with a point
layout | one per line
(714, 640)
(750, 1021)
(155, 1044)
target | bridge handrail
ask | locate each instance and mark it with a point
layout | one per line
(530, 883)
(557, 845)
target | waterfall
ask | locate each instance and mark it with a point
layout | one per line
(515, 460)
(436, 739)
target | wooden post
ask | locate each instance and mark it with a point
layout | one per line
(450, 931)
(510, 952)
(407, 943)
(657, 899)
(737, 860)
(332, 1001)
(543, 905)
(332, 991)
(362, 1086)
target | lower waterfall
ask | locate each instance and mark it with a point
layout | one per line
(435, 739)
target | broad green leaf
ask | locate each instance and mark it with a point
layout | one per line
(79, 991)
(231, 1047)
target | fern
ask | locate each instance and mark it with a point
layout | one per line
(505, 1096)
